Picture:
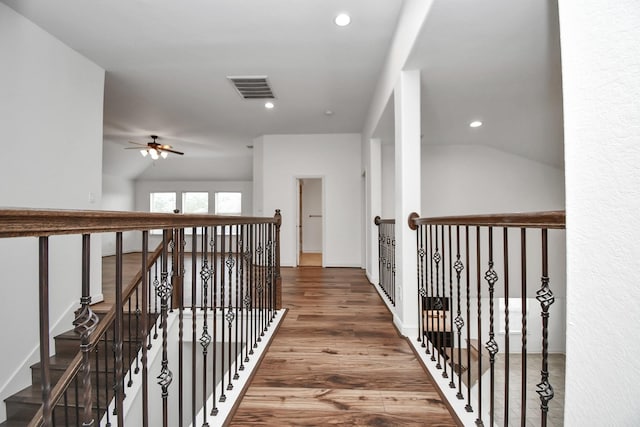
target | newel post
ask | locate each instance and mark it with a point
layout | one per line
(278, 295)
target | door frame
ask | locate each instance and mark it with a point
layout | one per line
(298, 205)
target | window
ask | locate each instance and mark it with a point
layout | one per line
(162, 202)
(195, 203)
(228, 203)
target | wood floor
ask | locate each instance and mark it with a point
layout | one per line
(338, 360)
(308, 259)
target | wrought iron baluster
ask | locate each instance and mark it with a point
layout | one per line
(230, 316)
(422, 294)
(130, 382)
(451, 340)
(430, 325)
(546, 299)
(85, 323)
(146, 283)
(437, 303)
(240, 302)
(237, 304)
(479, 319)
(505, 246)
(467, 257)
(205, 338)
(223, 254)
(118, 331)
(194, 321)
(164, 292)
(492, 346)
(458, 266)
(180, 242)
(523, 308)
(43, 301)
(216, 233)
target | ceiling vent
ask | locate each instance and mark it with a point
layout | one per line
(252, 87)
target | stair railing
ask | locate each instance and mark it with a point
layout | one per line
(474, 290)
(387, 257)
(235, 287)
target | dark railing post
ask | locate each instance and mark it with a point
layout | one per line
(44, 329)
(119, 391)
(546, 298)
(145, 329)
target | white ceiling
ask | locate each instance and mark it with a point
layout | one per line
(497, 61)
(167, 62)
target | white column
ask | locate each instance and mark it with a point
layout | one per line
(407, 197)
(374, 207)
(600, 42)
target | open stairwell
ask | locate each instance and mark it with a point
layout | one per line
(23, 405)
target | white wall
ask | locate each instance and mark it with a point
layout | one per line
(601, 73)
(335, 158)
(51, 131)
(312, 215)
(388, 181)
(118, 194)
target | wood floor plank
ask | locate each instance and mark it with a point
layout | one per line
(338, 360)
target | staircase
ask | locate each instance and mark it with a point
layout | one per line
(23, 405)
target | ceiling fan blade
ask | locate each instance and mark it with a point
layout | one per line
(170, 150)
(137, 143)
(142, 147)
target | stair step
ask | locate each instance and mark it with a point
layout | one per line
(23, 405)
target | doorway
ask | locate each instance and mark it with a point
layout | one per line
(310, 222)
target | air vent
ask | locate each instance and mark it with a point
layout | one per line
(252, 87)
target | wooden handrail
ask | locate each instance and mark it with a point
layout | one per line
(377, 221)
(69, 374)
(45, 222)
(549, 219)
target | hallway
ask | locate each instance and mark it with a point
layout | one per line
(338, 360)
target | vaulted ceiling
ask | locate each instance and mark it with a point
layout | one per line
(167, 64)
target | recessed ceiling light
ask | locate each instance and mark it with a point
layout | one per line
(475, 124)
(342, 20)
(268, 105)
(328, 113)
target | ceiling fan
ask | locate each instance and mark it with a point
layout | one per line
(154, 149)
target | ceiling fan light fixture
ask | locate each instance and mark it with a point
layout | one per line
(154, 154)
(144, 153)
(164, 154)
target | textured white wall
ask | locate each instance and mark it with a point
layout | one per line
(51, 131)
(335, 158)
(601, 73)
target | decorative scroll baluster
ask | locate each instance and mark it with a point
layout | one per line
(546, 298)
(230, 315)
(458, 266)
(444, 306)
(180, 242)
(451, 340)
(430, 326)
(223, 254)
(205, 338)
(492, 346)
(422, 294)
(164, 293)
(84, 324)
